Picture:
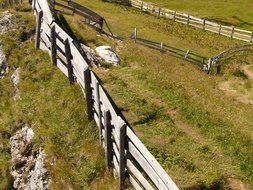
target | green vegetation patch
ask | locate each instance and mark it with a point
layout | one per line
(56, 112)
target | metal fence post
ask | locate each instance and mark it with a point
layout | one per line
(88, 93)
(69, 64)
(53, 45)
(108, 139)
(38, 28)
(122, 156)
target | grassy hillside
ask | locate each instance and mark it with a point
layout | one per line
(202, 136)
(232, 12)
(54, 109)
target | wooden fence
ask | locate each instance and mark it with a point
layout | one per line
(187, 54)
(229, 53)
(90, 17)
(124, 152)
(229, 31)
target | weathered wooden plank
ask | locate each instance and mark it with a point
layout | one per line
(138, 175)
(116, 136)
(62, 67)
(134, 183)
(149, 170)
(45, 39)
(45, 28)
(109, 106)
(62, 57)
(116, 151)
(79, 78)
(116, 164)
(151, 160)
(47, 16)
(44, 47)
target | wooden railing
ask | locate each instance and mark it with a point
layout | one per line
(229, 31)
(90, 17)
(124, 152)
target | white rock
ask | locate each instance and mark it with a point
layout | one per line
(28, 168)
(5, 22)
(3, 65)
(91, 55)
(108, 55)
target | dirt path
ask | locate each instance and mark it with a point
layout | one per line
(248, 72)
(226, 86)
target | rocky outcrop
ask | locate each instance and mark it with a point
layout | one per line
(5, 25)
(101, 54)
(91, 55)
(3, 65)
(5, 22)
(28, 168)
(108, 55)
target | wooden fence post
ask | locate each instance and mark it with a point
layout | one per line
(99, 112)
(188, 19)
(108, 139)
(122, 156)
(220, 30)
(187, 54)
(88, 93)
(38, 27)
(69, 64)
(174, 16)
(53, 45)
(232, 32)
(251, 40)
(141, 5)
(161, 47)
(159, 12)
(204, 24)
(135, 34)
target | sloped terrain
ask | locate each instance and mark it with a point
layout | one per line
(201, 135)
(53, 109)
(222, 11)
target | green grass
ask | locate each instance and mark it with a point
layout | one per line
(54, 109)
(237, 13)
(202, 137)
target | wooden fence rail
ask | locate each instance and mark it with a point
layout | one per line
(124, 152)
(229, 31)
(90, 17)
